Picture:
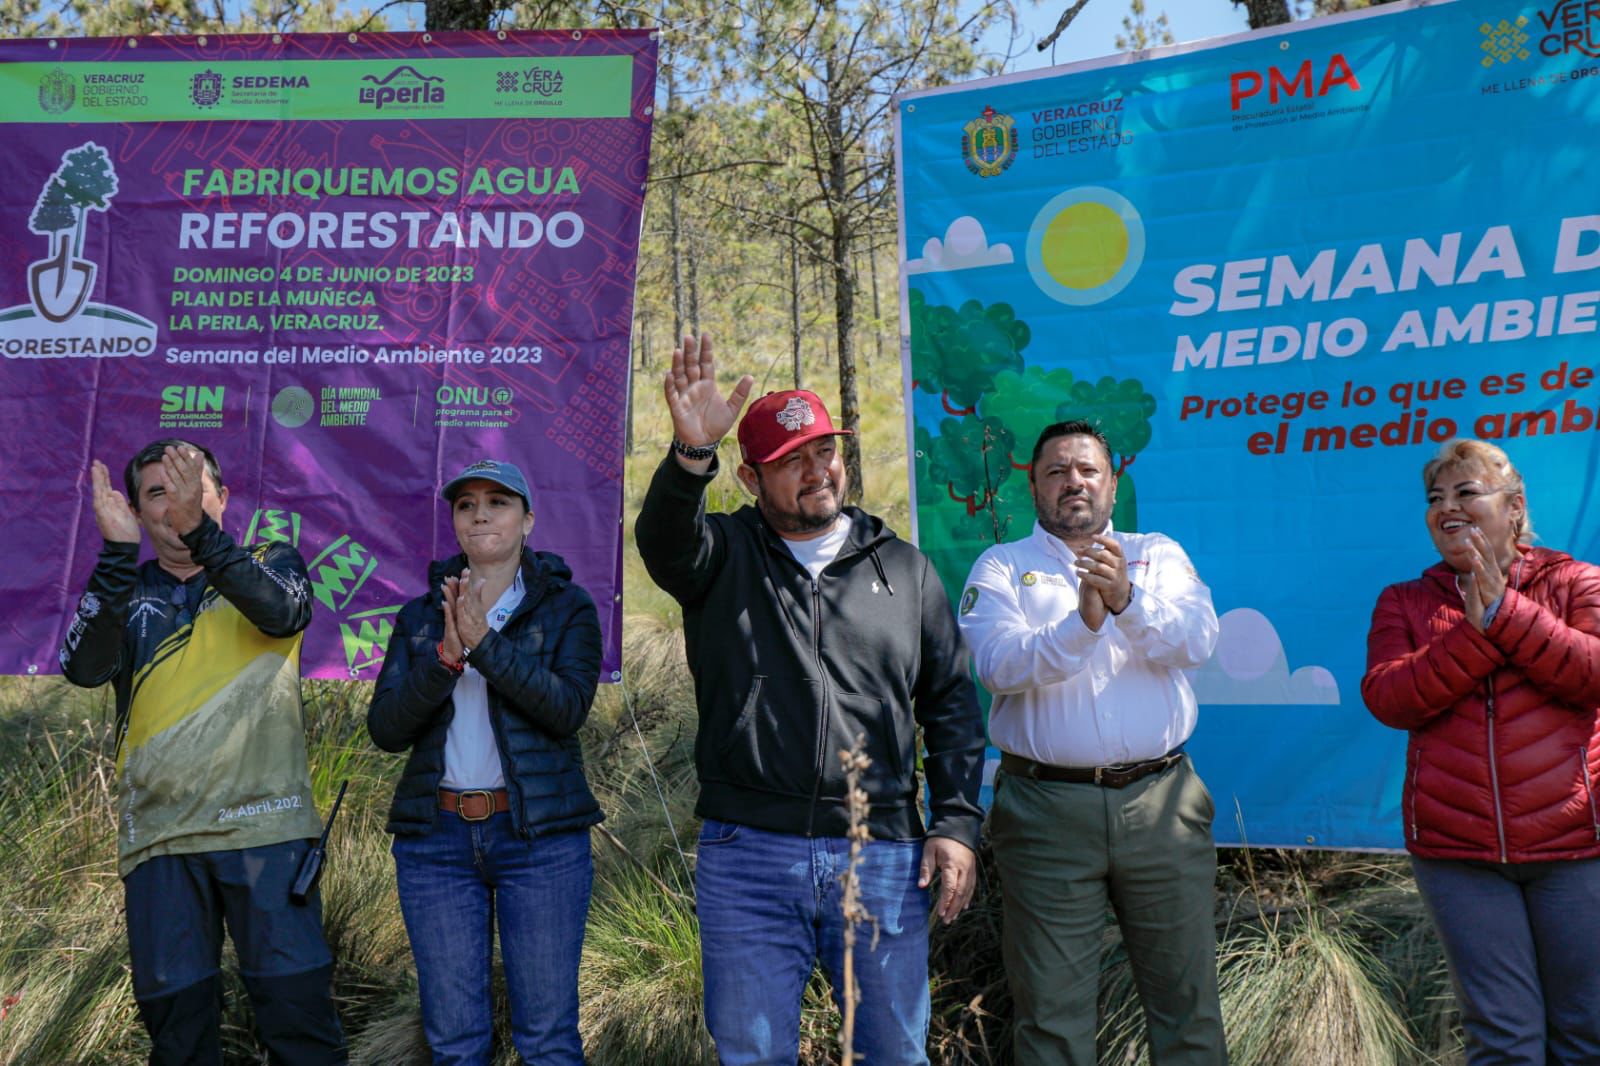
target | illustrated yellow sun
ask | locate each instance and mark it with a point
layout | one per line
(1085, 245)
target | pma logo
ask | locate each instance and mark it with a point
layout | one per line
(989, 143)
(1304, 81)
(403, 87)
(57, 91)
(59, 320)
(205, 89)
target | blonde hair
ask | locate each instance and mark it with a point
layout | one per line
(1483, 456)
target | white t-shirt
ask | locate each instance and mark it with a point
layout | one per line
(471, 756)
(815, 554)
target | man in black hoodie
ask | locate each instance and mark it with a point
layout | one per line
(809, 625)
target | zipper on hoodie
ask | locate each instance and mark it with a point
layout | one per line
(822, 719)
(1494, 775)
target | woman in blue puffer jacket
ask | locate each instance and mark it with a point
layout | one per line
(486, 680)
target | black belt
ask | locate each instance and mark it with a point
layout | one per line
(1105, 776)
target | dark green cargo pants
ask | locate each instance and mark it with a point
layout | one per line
(1064, 852)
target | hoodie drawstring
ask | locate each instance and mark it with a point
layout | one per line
(881, 572)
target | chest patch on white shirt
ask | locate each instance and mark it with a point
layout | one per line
(1041, 577)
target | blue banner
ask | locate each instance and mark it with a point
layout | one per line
(1280, 269)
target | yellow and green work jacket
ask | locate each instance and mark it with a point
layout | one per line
(211, 750)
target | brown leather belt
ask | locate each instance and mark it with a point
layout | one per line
(475, 805)
(1105, 776)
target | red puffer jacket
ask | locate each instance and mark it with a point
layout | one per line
(1504, 758)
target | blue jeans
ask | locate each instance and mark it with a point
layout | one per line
(1522, 940)
(769, 909)
(454, 882)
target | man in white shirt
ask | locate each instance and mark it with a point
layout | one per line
(1082, 634)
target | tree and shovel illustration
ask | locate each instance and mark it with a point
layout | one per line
(60, 285)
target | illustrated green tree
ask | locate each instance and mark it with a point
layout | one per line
(957, 353)
(930, 493)
(967, 464)
(1011, 509)
(54, 211)
(1027, 401)
(1122, 411)
(969, 458)
(84, 182)
(1119, 409)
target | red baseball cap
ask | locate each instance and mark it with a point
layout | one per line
(780, 422)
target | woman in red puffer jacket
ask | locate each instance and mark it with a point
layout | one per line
(1491, 659)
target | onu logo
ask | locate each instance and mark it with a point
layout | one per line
(1247, 83)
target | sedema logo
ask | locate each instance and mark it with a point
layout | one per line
(1303, 80)
(59, 320)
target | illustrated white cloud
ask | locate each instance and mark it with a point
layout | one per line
(965, 245)
(1250, 667)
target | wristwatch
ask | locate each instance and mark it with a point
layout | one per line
(693, 452)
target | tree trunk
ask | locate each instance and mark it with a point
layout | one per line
(1265, 12)
(456, 14)
(794, 309)
(675, 219)
(694, 287)
(844, 294)
(877, 308)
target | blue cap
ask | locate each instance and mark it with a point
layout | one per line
(506, 475)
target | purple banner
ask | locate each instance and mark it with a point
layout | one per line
(349, 265)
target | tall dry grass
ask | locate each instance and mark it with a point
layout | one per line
(1325, 959)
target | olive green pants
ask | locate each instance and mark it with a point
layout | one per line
(1064, 852)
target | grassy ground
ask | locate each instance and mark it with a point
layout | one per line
(1326, 960)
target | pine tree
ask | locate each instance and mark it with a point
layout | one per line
(54, 211)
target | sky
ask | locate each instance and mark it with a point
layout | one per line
(1093, 33)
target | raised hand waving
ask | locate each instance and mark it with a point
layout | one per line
(701, 415)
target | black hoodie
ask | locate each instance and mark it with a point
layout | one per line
(788, 670)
